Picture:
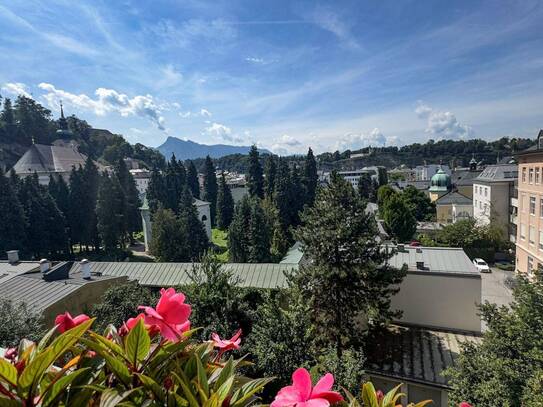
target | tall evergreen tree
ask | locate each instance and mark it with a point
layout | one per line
(197, 241)
(192, 179)
(297, 196)
(7, 113)
(109, 211)
(365, 186)
(259, 235)
(348, 273)
(156, 191)
(61, 194)
(169, 241)
(270, 172)
(225, 204)
(238, 238)
(175, 179)
(91, 182)
(34, 121)
(131, 215)
(12, 217)
(77, 215)
(255, 180)
(311, 177)
(399, 219)
(210, 188)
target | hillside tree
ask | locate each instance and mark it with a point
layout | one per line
(225, 204)
(210, 188)
(255, 179)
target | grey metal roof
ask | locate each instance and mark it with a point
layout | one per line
(446, 260)
(415, 354)
(419, 184)
(454, 198)
(43, 158)
(294, 254)
(8, 269)
(499, 173)
(257, 275)
(464, 177)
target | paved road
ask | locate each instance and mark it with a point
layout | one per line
(494, 289)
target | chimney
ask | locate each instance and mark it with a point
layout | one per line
(85, 269)
(44, 265)
(420, 265)
(400, 247)
(419, 249)
(13, 256)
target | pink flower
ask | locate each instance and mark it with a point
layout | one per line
(300, 394)
(464, 404)
(66, 321)
(131, 323)
(10, 353)
(227, 344)
(380, 395)
(170, 316)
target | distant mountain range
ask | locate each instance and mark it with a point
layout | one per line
(189, 150)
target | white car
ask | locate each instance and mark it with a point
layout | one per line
(481, 265)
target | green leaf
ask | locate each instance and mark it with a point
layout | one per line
(43, 341)
(185, 385)
(108, 344)
(8, 372)
(117, 366)
(248, 390)
(112, 397)
(223, 373)
(9, 403)
(202, 376)
(32, 374)
(137, 343)
(60, 386)
(224, 390)
(369, 397)
(391, 396)
(153, 386)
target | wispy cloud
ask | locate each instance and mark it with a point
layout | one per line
(442, 124)
(16, 89)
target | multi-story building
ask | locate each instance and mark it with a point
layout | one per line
(530, 208)
(427, 171)
(142, 177)
(452, 207)
(492, 192)
(377, 173)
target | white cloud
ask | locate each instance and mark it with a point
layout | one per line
(16, 89)
(222, 132)
(442, 125)
(106, 101)
(201, 113)
(285, 145)
(255, 60)
(328, 20)
(352, 141)
(170, 76)
(193, 31)
(205, 113)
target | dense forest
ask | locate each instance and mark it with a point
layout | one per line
(25, 121)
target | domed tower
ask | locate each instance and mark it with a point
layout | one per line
(63, 132)
(440, 184)
(473, 164)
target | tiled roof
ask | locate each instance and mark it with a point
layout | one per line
(415, 354)
(498, 173)
(257, 275)
(454, 198)
(464, 177)
(43, 158)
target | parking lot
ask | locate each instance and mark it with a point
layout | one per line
(494, 288)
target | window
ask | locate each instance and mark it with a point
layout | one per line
(531, 175)
(523, 203)
(537, 175)
(541, 207)
(523, 231)
(532, 205)
(480, 205)
(485, 207)
(486, 192)
(541, 240)
(531, 235)
(523, 174)
(530, 264)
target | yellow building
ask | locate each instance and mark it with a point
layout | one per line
(440, 184)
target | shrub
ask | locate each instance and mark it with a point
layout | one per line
(18, 322)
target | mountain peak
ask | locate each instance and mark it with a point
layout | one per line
(189, 150)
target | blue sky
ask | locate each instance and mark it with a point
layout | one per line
(283, 74)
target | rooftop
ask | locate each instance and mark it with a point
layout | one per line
(464, 177)
(8, 270)
(499, 173)
(415, 354)
(42, 158)
(454, 198)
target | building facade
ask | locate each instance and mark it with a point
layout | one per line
(452, 207)
(492, 192)
(529, 242)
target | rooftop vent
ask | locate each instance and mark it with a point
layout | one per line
(419, 249)
(60, 271)
(400, 247)
(13, 256)
(85, 269)
(420, 265)
(44, 265)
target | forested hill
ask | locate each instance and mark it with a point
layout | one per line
(25, 121)
(189, 150)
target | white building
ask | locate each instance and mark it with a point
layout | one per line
(142, 177)
(377, 174)
(492, 193)
(427, 171)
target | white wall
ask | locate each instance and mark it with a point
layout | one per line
(440, 300)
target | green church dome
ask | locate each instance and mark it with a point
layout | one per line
(441, 181)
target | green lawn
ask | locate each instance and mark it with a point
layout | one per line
(220, 239)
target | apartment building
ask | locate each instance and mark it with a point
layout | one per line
(530, 208)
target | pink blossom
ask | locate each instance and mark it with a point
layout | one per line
(300, 394)
(10, 353)
(170, 316)
(131, 323)
(66, 321)
(227, 344)
(464, 404)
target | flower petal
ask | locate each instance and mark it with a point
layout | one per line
(325, 383)
(301, 380)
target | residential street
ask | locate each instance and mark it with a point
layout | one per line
(494, 288)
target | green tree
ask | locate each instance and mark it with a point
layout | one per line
(225, 204)
(297, 196)
(255, 180)
(311, 177)
(210, 188)
(366, 187)
(238, 239)
(218, 303)
(383, 194)
(399, 219)
(169, 241)
(90, 177)
(156, 191)
(259, 234)
(18, 322)
(131, 213)
(7, 113)
(419, 202)
(193, 229)
(175, 180)
(109, 211)
(270, 172)
(77, 217)
(33, 120)
(12, 219)
(60, 192)
(505, 367)
(192, 179)
(120, 302)
(348, 273)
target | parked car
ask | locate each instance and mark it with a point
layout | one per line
(481, 265)
(415, 243)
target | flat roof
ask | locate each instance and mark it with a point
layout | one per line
(415, 354)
